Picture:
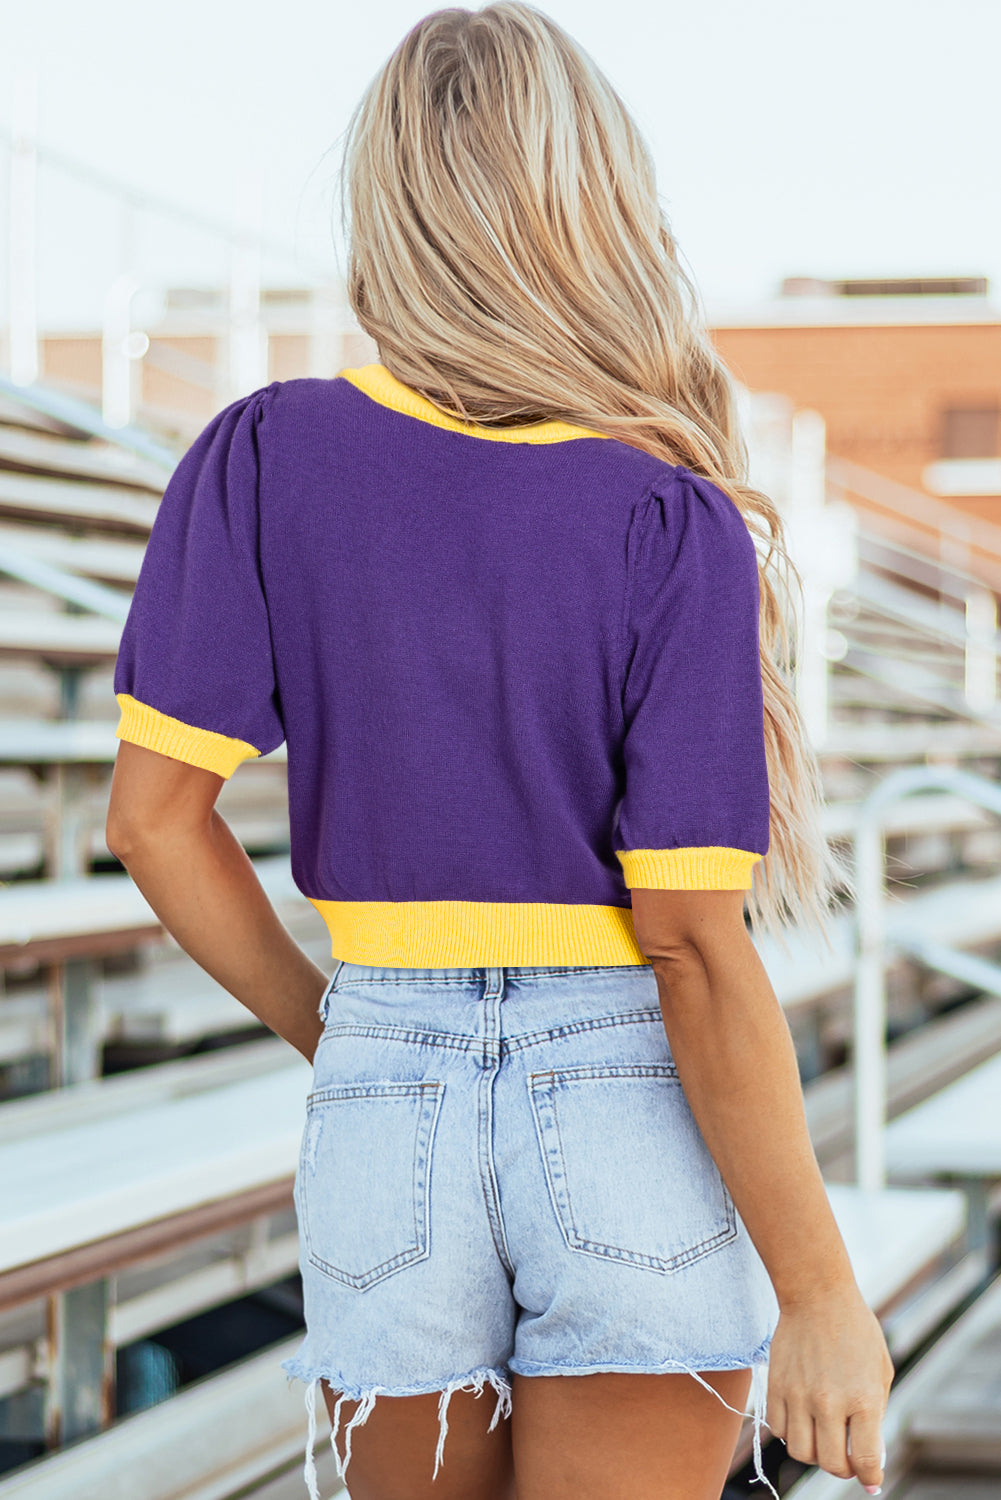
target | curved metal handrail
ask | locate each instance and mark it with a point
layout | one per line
(85, 418)
(869, 1019)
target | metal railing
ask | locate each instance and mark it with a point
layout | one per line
(873, 944)
(882, 566)
(86, 421)
(239, 320)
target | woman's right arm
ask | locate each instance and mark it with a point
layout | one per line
(829, 1371)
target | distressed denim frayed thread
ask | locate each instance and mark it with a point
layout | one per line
(475, 1382)
(759, 1378)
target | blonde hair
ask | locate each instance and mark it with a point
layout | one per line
(509, 256)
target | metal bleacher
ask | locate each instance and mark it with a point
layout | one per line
(115, 1226)
(905, 705)
(117, 1221)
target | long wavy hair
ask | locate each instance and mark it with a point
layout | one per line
(509, 255)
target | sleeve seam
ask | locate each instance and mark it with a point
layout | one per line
(265, 399)
(632, 530)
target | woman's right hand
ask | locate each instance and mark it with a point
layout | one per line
(829, 1377)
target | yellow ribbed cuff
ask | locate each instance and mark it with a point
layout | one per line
(712, 868)
(142, 725)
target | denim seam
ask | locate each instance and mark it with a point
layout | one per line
(708, 1362)
(656, 1262)
(461, 1042)
(544, 1149)
(466, 980)
(458, 1041)
(513, 975)
(488, 1176)
(510, 977)
(488, 1171)
(297, 1369)
(575, 1028)
(373, 1090)
(323, 1009)
(596, 1071)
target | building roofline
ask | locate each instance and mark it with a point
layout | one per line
(834, 311)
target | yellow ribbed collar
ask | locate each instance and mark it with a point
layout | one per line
(379, 383)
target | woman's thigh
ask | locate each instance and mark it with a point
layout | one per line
(580, 1437)
(625, 1437)
(393, 1452)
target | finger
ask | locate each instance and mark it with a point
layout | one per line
(865, 1445)
(831, 1436)
(776, 1417)
(800, 1439)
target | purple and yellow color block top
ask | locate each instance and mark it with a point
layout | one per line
(516, 669)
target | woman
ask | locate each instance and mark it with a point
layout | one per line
(509, 599)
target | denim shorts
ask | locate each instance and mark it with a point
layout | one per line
(500, 1172)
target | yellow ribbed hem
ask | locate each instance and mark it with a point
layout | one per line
(142, 725)
(458, 934)
(379, 383)
(710, 869)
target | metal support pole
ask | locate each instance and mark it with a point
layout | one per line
(66, 844)
(79, 1021)
(328, 320)
(806, 520)
(80, 1394)
(76, 1016)
(979, 1230)
(247, 338)
(118, 367)
(980, 677)
(870, 1004)
(23, 250)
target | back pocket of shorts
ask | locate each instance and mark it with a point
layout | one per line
(629, 1173)
(364, 1178)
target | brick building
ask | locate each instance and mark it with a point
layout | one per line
(907, 375)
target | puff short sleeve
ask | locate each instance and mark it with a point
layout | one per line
(194, 676)
(694, 814)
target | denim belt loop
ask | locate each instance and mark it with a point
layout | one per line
(324, 1005)
(495, 985)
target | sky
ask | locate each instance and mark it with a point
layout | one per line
(828, 138)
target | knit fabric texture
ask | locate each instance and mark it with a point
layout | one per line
(515, 669)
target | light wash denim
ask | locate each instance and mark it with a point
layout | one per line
(499, 1173)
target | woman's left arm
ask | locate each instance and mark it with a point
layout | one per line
(197, 877)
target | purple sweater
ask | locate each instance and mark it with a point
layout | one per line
(516, 669)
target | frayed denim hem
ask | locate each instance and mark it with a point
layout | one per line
(758, 1362)
(474, 1381)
